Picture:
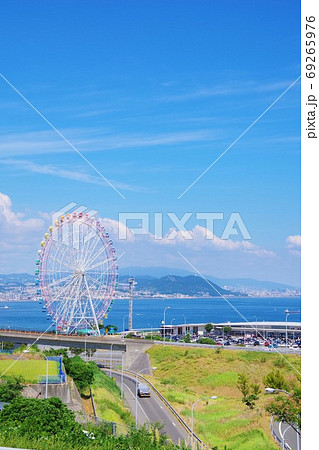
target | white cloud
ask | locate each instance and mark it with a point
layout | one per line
(19, 239)
(231, 88)
(92, 139)
(203, 238)
(49, 169)
(197, 239)
(294, 244)
(294, 241)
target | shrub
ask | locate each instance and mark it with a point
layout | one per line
(276, 380)
(250, 391)
(280, 362)
(208, 327)
(36, 417)
(11, 388)
(7, 346)
(205, 340)
(56, 352)
(287, 408)
(81, 372)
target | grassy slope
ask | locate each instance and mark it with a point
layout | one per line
(30, 369)
(107, 399)
(183, 375)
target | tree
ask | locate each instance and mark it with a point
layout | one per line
(11, 388)
(187, 338)
(250, 391)
(56, 352)
(76, 351)
(227, 329)
(81, 372)
(208, 327)
(46, 417)
(7, 346)
(275, 380)
(107, 327)
(287, 408)
(90, 352)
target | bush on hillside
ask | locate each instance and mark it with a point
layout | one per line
(206, 340)
(81, 372)
(11, 388)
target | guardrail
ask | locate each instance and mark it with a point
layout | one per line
(134, 375)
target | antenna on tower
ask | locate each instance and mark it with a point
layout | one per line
(130, 304)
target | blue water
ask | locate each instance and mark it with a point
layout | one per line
(149, 312)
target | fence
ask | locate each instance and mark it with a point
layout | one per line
(54, 379)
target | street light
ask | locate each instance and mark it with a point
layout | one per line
(214, 397)
(122, 376)
(167, 307)
(151, 331)
(184, 319)
(274, 391)
(172, 328)
(47, 374)
(111, 360)
(86, 359)
(287, 314)
(136, 374)
(123, 335)
(256, 326)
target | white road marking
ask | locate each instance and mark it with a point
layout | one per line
(280, 429)
(174, 424)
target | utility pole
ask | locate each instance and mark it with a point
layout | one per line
(130, 304)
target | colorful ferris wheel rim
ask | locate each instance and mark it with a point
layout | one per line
(77, 272)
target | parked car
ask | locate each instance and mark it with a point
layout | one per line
(143, 390)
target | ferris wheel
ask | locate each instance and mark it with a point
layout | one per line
(76, 273)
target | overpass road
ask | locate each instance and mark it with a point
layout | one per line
(116, 342)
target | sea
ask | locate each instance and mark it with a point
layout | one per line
(148, 313)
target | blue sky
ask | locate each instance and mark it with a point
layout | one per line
(152, 93)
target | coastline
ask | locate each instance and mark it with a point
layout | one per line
(174, 298)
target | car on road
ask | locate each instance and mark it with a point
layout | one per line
(143, 390)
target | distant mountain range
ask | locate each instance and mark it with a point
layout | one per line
(174, 284)
(158, 272)
(169, 281)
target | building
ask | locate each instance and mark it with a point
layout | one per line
(265, 329)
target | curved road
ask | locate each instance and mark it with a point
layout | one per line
(151, 410)
(291, 436)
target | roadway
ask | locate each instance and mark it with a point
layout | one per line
(291, 436)
(151, 410)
